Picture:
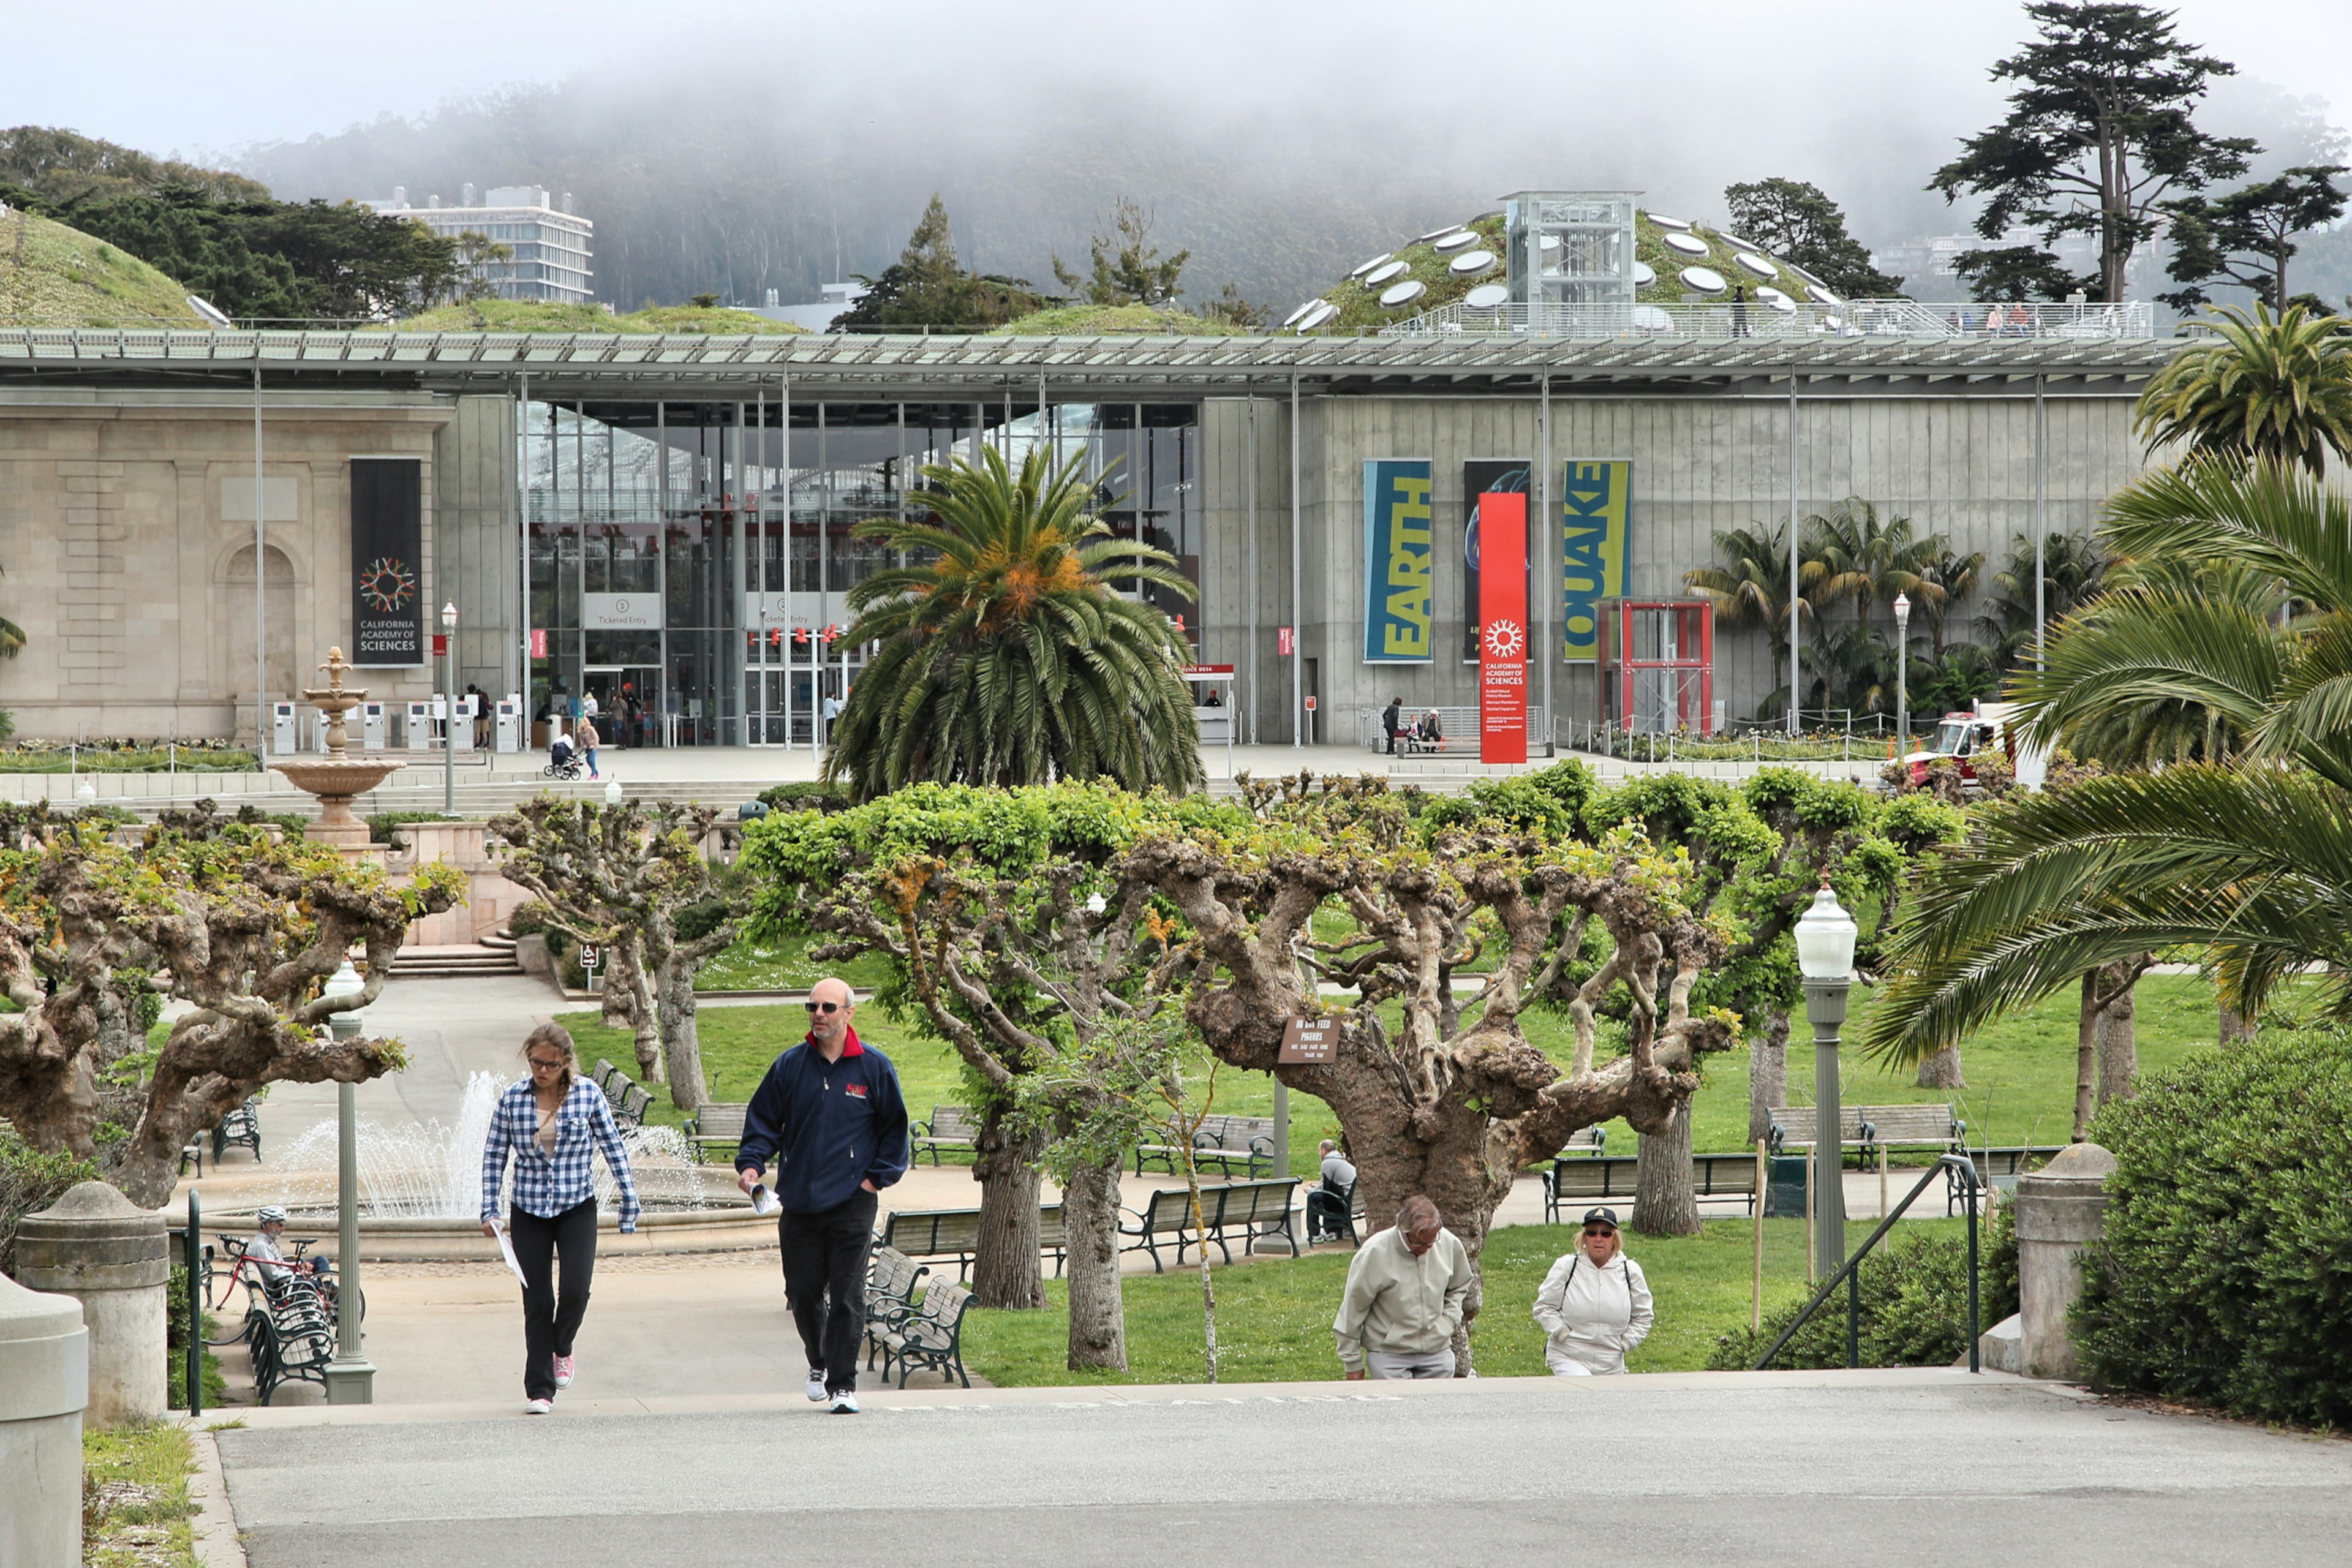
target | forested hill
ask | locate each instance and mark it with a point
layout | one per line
(738, 194)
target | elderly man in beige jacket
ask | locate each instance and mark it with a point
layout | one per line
(1404, 1296)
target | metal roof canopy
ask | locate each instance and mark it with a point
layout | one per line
(564, 366)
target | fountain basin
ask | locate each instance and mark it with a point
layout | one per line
(335, 781)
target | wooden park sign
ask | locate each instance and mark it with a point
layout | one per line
(1310, 1040)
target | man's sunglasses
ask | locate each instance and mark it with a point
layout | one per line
(825, 1006)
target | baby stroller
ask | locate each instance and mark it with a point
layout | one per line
(563, 759)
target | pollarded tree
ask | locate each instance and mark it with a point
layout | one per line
(1453, 1101)
(628, 876)
(248, 930)
(1758, 851)
(2099, 135)
(1005, 653)
(1006, 935)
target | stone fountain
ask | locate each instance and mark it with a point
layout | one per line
(336, 777)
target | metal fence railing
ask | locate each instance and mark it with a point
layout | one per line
(1785, 318)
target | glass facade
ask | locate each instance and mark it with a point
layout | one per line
(690, 562)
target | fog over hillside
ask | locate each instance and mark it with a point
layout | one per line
(1281, 146)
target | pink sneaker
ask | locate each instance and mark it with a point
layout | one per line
(563, 1372)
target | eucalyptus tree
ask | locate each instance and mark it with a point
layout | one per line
(1005, 652)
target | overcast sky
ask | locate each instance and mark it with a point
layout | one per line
(215, 79)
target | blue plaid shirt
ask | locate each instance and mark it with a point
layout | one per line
(546, 1185)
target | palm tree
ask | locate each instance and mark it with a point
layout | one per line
(1750, 583)
(1868, 560)
(2072, 574)
(1005, 657)
(1955, 577)
(2247, 852)
(2266, 387)
(11, 636)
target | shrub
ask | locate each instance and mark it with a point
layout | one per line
(381, 826)
(1914, 1306)
(2226, 1276)
(806, 794)
(30, 1182)
(175, 1347)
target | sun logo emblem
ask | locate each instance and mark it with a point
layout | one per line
(1505, 640)
(386, 584)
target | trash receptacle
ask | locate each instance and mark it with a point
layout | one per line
(1784, 1187)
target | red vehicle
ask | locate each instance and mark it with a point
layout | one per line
(1963, 736)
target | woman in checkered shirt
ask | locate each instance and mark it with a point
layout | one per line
(551, 1125)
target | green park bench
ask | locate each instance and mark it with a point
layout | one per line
(1592, 1180)
(951, 1127)
(1997, 1170)
(1872, 1129)
(929, 1334)
(1247, 1209)
(890, 1281)
(955, 1233)
(717, 1125)
(1220, 1142)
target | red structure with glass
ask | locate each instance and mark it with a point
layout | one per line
(1656, 664)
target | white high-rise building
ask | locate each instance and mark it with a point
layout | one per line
(552, 244)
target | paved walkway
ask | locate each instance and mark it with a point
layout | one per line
(1913, 1467)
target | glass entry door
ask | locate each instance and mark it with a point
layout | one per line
(629, 706)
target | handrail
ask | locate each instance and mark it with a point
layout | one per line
(1848, 1271)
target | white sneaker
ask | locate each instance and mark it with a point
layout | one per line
(815, 1386)
(538, 1407)
(844, 1403)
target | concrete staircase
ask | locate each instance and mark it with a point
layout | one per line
(494, 956)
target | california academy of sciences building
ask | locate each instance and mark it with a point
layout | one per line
(671, 518)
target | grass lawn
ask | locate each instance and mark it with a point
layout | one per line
(136, 1512)
(783, 964)
(1274, 1316)
(2021, 1070)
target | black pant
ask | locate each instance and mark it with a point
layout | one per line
(1327, 1214)
(550, 1319)
(825, 1257)
(1392, 735)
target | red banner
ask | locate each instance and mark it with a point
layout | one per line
(538, 642)
(1503, 627)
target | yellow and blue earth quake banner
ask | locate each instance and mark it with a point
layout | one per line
(1594, 508)
(1399, 556)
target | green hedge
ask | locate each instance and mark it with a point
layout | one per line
(1914, 1305)
(381, 824)
(137, 760)
(2226, 1276)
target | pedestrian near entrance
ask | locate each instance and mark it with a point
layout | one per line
(1406, 1288)
(1594, 1305)
(552, 1125)
(1392, 721)
(831, 1115)
(832, 710)
(589, 741)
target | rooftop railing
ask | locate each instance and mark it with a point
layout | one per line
(1785, 318)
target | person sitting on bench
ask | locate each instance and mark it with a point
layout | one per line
(1327, 1206)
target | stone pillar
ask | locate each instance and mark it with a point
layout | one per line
(44, 1384)
(2062, 1211)
(98, 1247)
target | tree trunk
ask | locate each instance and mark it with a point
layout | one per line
(2119, 1049)
(1664, 1202)
(1098, 1317)
(681, 1036)
(620, 965)
(1767, 1075)
(1942, 1070)
(1004, 1271)
(2236, 1028)
(2086, 1046)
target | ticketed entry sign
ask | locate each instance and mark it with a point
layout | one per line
(1305, 1041)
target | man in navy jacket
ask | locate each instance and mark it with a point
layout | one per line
(831, 1113)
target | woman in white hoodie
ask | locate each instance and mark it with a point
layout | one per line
(1594, 1305)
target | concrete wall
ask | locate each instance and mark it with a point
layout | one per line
(1958, 459)
(473, 466)
(126, 531)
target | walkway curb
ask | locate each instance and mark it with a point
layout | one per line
(218, 1544)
